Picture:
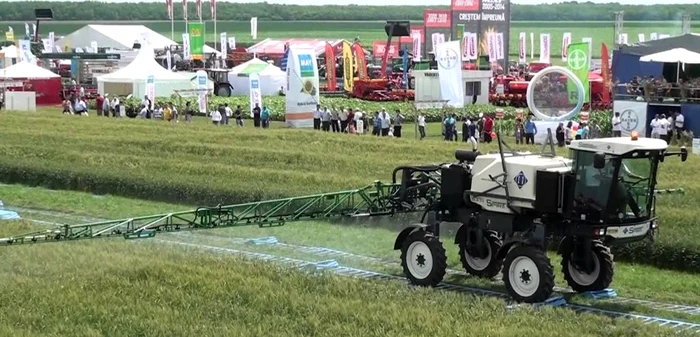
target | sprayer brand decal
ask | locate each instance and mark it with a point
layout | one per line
(520, 180)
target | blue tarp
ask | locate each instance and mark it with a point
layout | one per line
(691, 117)
(7, 214)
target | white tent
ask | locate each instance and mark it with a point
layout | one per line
(119, 37)
(10, 56)
(132, 78)
(676, 55)
(27, 70)
(272, 78)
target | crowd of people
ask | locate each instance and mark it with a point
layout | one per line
(663, 126)
(349, 120)
(651, 89)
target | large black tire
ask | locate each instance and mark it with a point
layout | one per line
(599, 279)
(423, 259)
(489, 266)
(223, 90)
(528, 274)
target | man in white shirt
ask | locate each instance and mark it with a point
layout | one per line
(229, 113)
(421, 125)
(81, 108)
(335, 124)
(655, 125)
(343, 116)
(678, 124)
(326, 120)
(386, 122)
(617, 125)
(317, 117)
(215, 116)
(663, 127)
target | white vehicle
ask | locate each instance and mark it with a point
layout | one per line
(510, 203)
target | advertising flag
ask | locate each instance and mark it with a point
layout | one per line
(254, 89)
(579, 64)
(589, 40)
(417, 47)
(641, 37)
(330, 68)
(186, 47)
(449, 62)
(499, 47)
(302, 83)
(197, 33)
(532, 46)
(254, 28)
(605, 72)
(545, 48)
(565, 42)
(348, 67)
(522, 48)
(223, 40)
(360, 61)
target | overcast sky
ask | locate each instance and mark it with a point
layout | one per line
(419, 2)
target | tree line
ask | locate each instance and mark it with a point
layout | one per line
(227, 11)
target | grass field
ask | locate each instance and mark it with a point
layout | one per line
(600, 31)
(143, 287)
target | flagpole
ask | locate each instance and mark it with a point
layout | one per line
(215, 35)
(172, 27)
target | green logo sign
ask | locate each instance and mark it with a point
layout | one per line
(577, 60)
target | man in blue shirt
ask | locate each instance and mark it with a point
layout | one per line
(530, 131)
(450, 128)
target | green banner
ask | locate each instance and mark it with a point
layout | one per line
(197, 34)
(578, 62)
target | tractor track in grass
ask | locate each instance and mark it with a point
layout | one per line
(331, 253)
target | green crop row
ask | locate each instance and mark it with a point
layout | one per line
(276, 104)
(197, 163)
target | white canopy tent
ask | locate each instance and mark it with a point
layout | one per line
(132, 78)
(10, 56)
(119, 37)
(680, 56)
(272, 78)
(27, 70)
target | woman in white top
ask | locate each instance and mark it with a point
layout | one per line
(360, 129)
(215, 117)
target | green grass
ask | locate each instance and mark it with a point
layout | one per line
(375, 240)
(600, 31)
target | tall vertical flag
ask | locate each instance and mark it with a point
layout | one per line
(640, 36)
(404, 60)
(565, 42)
(589, 40)
(500, 46)
(254, 28)
(348, 66)
(545, 48)
(360, 61)
(605, 72)
(331, 80)
(532, 46)
(449, 61)
(417, 46)
(199, 9)
(223, 40)
(522, 48)
(579, 64)
(302, 87)
(197, 34)
(169, 4)
(184, 14)
(213, 17)
(254, 89)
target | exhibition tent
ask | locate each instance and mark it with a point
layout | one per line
(675, 55)
(119, 37)
(132, 78)
(25, 76)
(272, 78)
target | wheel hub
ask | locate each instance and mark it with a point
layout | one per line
(420, 259)
(525, 276)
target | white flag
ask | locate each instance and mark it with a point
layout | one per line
(232, 42)
(499, 47)
(565, 42)
(473, 46)
(254, 28)
(223, 40)
(522, 48)
(492, 42)
(168, 58)
(589, 40)
(532, 46)
(641, 37)
(186, 47)
(93, 47)
(449, 62)
(52, 40)
(435, 39)
(254, 89)
(545, 48)
(416, 46)
(653, 36)
(622, 39)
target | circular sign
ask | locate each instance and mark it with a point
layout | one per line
(577, 60)
(579, 93)
(629, 120)
(448, 58)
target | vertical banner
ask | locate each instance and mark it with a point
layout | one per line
(492, 44)
(360, 61)
(10, 34)
(522, 48)
(151, 90)
(578, 63)
(254, 28)
(52, 41)
(198, 4)
(484, 17)
(473, 47)
(25, 51)
(417, 46)
(232, 42)
(653, 36)
(435, 21)
(633, 116)
(254, 89)
(169, 59)
(184, 11)
(186, 47)
(605, 72)
(331, 79)
(348, 67)
(589, 40)
(465, 46)
(565, 42)
(93, 46)
(223, 41)
(404, 59)
(622, 39)
(532, 46)
(459, 36)
(46, 47)
(202, 87)
(302, 81)
(197, 33)
(499, 47)
(641, 37)
(450, 73)
(545, 48)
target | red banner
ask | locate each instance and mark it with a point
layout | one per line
(379, 48)
(465, 5)
(437, 18)
(414, 30)
(330, 68)
(605, 72)
(360, 61)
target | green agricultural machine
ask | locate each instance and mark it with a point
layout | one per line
(509, 204)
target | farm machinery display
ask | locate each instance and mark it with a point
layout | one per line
(509, 205)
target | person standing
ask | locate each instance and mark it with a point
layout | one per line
(265, 117)
(421, 125)
(343, 117)
(238, 114)
(335, 124)
(359, 122)
(317, 117)
(376, 124)
(678, 124)
(449, 127)
(326, 120)
(215, 117)
(519, 131)
(256, 115)
(530, 131)
(99, 101)
(561, 138)
(350, 119)
(105, 106)
(617, 125)
(655, 124)
(222, 112)
(228, 113)
(398, 123)
(664, 126)
(385, 122)
(188, 112)
(488, 129)
(473, 134)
